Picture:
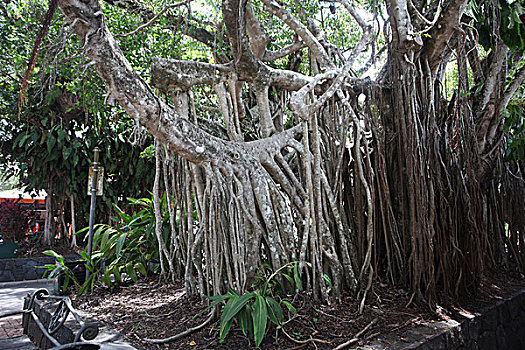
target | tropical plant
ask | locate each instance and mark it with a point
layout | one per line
(252, 310)
(288, 152)
(60, 269)
(95, 266)
(129, 247)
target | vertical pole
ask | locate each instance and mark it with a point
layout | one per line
(92, 207)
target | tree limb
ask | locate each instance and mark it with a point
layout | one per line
(519, 78)
(169, 73)
(300, 29)
(442, 31)
(152, 20)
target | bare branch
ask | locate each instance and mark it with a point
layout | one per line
(300, 29)
(519, 78)
(152, 20)
(259, 39)
(285, 51)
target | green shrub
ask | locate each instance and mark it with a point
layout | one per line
(252, 310)
(129, 247)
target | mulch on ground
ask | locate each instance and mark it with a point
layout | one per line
(29, 251)
(153, 310)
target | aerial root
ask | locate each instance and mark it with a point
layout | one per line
(182, 334)
(304, 342)
(356, 337)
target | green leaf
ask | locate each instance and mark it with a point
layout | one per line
(140, 267)
(216, 299)
(260, 319)
(23, 137)
(66, 152)
(117, 273)
(120, 243)
(225, 328)
(59, 257)
(297, 276)
(104, 239)
(289, 278)
(106, 278)
(220, 297)
(51, 141)
(275, 311)
(327, 280)
(289, 306)
(245, 321)
(66, 283)
(232, 307)
(131, 271)
(123, 215)
(96, 235)
(82, 230)
(88, 283)
(86, 257)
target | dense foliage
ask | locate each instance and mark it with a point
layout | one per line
(48, 142)
(15, 221)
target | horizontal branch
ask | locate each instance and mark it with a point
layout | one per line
(285, 51)
(169, 73)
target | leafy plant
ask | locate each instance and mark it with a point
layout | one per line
(60, 269)
(129, 247)
(14, 221)
(252, 310)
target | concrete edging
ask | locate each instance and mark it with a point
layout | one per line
(497, 326)
(25, 269)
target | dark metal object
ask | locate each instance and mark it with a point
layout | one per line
(93, 203)
(87, 331)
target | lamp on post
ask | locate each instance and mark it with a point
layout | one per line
(94, 188)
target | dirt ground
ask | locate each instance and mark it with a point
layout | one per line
(152, 310)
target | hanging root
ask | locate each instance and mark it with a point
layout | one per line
(355, 339)
(304, 342)
(183, 334)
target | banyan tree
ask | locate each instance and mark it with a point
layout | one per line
(276, 151)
